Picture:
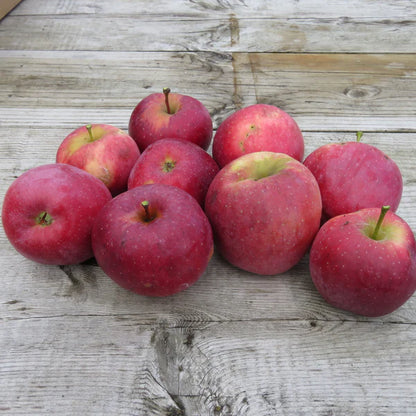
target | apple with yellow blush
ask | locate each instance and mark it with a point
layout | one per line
(104, 151)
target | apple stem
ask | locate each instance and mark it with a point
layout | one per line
(359, 135)
(147, 216)
(383, 213)
(89, 128)
(166, 91)
(44, 219)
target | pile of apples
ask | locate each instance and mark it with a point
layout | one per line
(148, 205)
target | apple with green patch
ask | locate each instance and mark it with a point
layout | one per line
(154, 240)
(170, 115)
(175, 162)
(48, 213)
(104, 151)
(365, 262)
(354, 175)
(265, 209)
(259, 127)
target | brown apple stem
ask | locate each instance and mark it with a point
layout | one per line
(89, 128)
(166, 91)
(383, 213)
(359, 135)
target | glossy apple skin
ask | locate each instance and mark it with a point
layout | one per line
(264, 226)
(71, 196)
(110, 157)
(355, 273)
(353, 176)
(156, 258)
(190, 120)
(259, 127)
(178, 163)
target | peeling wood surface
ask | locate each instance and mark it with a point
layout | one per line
(71, 341)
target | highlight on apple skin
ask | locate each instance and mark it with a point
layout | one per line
(48, 213)
(365, 262)
(265, 209)
(154, 240)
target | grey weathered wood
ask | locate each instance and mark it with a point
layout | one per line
(322, 91)
(73, 342)
(118, 365)
(394, 9)
(268, 26)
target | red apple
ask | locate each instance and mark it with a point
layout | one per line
(166, 115)
(363, 263)
(49, 210)
(104, 151)
(154, 240)
(353, 176)
(265, 209)
(256, 128)
(178, 163)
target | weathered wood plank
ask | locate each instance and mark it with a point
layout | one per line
(395, 9)
(113, 365)
(228, 32)
(322, 91)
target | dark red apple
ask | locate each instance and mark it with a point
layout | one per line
(362, 263)
(170, 115)
(49, 210)
(178, 163)
(154, 240)
(353, 176)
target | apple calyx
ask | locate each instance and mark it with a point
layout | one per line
(44, 219)
(168, 166)
(359, 134)
(166, 91)
(383, 212)
(147, 217)
(89, 128)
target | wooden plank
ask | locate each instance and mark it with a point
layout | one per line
(110, 365)
(322, 91)
(227, 32)
(382, 9)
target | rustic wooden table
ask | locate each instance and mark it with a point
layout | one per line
(71, 341)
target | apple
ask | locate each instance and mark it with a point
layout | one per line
(364, 262)
(175, 162)
(353, 176)
(49, 210)
(259, 127)
(154, 240)
(265, 209)
(170, 115)
(102, 150)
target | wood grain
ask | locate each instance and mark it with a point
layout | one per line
(221, 26)
(322, 91)
(72, 342)
(117, 365)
